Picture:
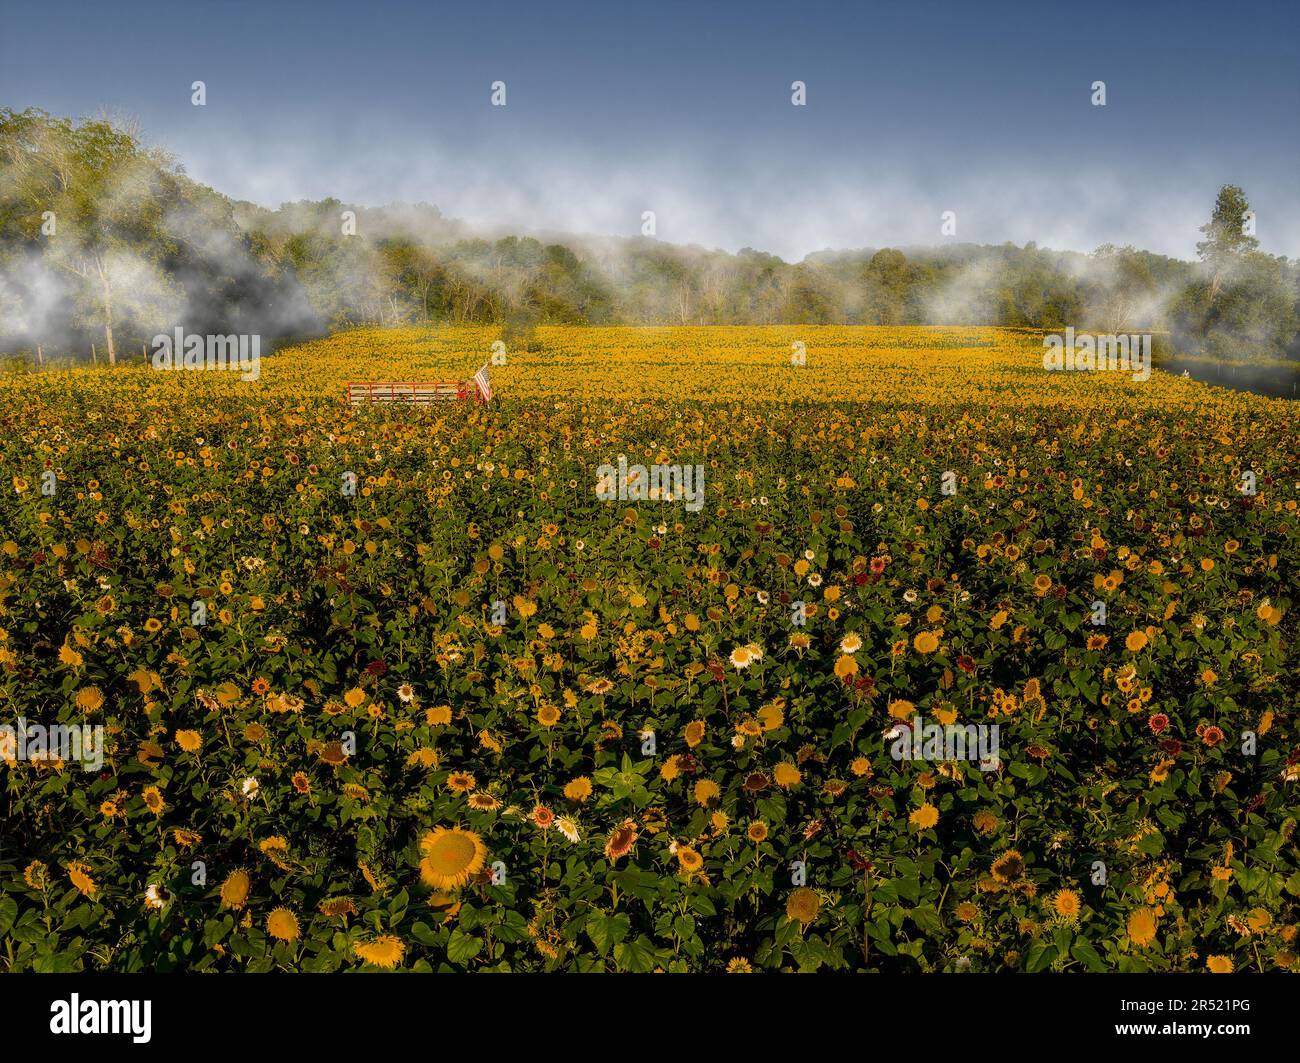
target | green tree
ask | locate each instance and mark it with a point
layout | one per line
(108, 197)
(1227, 237)
(885, 282)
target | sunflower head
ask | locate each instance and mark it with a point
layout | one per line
(451, 856)
(234, 891)
(1009, 866)
(36, 875)
(282, 925)
(621, 840)
(384, 951)
(79, 874)
(1066, 904)
(802, 906)
(578, 789)
(153, 799)
(1142, 927)
(338, 906)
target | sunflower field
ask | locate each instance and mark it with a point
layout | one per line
(392, 687)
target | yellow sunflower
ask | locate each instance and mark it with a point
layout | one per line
(802, 906)
(451, 856)
(282, 925)
(460, 782)
(1066, 905)
(234, 891)
(384, 951)
(578, 789)
(706, 792)
(153, 800)
(1142, 927)
(89, 699)
(79, 874)
(925, 642)
(189, 741)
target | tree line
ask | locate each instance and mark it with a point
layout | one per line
(105, 241)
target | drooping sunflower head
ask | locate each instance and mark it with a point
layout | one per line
(338, 906)
(1009, 866)
(189, 741)
(333, 753)
(384, 951)
(36, 875)
(802, 906)
(234, 891)
(282, 925)
(79, 874)
(89, 699)
(706, 792)
(451, 856)
(276, 848)
(620, 841)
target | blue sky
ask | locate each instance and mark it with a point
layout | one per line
(684, 109)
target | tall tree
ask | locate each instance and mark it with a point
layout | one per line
(1227, 235)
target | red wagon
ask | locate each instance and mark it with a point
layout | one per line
(420, 392)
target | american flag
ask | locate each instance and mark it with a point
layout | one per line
(484, 386)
